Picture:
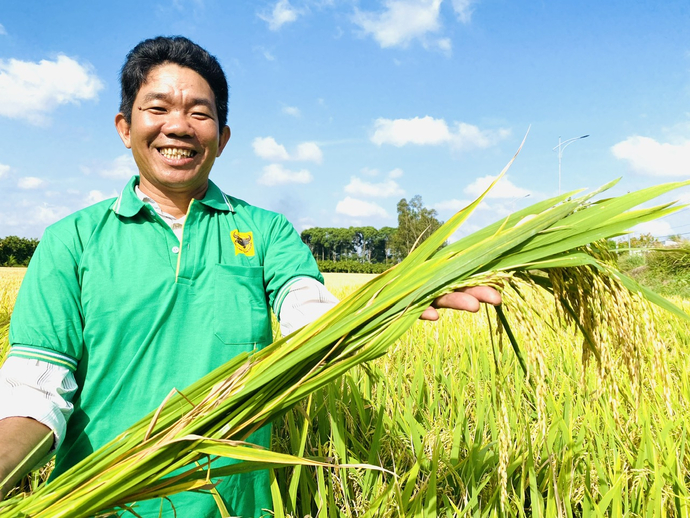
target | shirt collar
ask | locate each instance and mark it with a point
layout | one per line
(217, 199)
(128, 203)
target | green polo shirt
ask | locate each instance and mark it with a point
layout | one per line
(112, 294)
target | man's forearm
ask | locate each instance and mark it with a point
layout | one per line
(18, 437)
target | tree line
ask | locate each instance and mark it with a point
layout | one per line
(342, 249)
(16, 251)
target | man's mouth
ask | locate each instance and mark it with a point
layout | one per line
(175, 153)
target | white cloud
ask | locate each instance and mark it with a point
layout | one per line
(32, 90)
(503, 189)
(463, 10)
(401, 22)
(267, 54)
(3, 32)
(432, 132)
(277, 174)
(395, 173)
(467, 136)
(647, 156)
(281, 14)
(384, 189)
(49, 214)
(122, 168)
(305, 223)
(398, 132)
(29, 219)
(451, 205)
(97, 196)
(30, 182)
(268, 149)
(657, 228)
(292, 110)
(359, 209)
(445, 45)
(369, 171)
(4, 169)
(309, 152)
(455, 205)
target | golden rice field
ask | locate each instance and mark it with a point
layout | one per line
(460, 431)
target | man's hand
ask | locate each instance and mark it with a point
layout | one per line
(465, 299)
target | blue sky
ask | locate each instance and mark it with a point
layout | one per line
(340, 108)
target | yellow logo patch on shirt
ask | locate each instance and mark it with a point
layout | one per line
(244, 242)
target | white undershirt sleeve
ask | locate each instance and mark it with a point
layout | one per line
(306, 301)
(39, 390)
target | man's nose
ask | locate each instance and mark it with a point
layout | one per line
(177, 123)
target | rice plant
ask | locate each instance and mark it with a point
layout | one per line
(467, 434)
(10, 280)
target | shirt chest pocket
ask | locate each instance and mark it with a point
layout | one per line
(241, 314)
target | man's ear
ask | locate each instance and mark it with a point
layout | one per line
(122, 127)
(223, 139)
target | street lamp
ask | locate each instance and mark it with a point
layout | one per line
(561, 146)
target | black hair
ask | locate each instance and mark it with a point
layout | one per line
(181, 51)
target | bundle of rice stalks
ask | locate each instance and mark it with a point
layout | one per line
(173, 449)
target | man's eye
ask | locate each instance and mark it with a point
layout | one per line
(156, 109)
(201, 115)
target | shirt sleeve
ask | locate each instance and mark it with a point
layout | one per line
(306, 300)
(287, 260)
(40, 390)
(47, 317)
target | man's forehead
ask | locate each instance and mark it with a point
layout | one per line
(167, 68)
(159, 78)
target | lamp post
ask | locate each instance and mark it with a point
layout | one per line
(561, 146)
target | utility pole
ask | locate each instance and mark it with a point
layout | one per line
(561, 146)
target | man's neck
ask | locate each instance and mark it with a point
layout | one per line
(174, 203)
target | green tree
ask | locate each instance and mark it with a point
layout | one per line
(16, 250)
(644, 241)
(381, 251)
(415, 224)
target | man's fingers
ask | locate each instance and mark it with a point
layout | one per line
(484, 294)
(465, 299)
(458, 300)
(429, 314)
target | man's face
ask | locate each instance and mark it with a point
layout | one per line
(173, 133)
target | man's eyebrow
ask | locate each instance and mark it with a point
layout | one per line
(155, 96)
(161, 96)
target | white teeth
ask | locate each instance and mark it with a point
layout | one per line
(175, 153)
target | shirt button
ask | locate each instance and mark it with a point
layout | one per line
(175, 249)
(152, 213)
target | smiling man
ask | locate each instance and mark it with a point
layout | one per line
(132, 297)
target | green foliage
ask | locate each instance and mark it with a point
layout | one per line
(627, 262)
(352, 266)
(666, 271)
(366, 244)
(644, 241)
(673, 261)
(16, 251)
(415, 224)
